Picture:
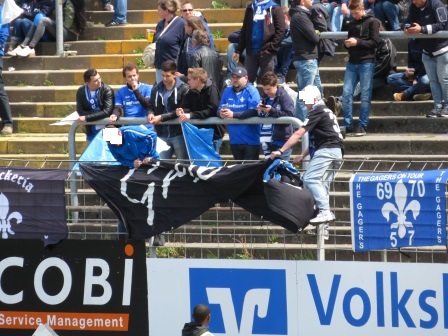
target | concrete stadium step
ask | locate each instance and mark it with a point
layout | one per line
(152, 4)
(43, 143)
(57, 78)
(150, 16)
(413, 144)
(83, 62)
(62, 109)
(42, 109)
(131, 31)
(377, 125)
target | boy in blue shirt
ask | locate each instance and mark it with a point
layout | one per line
(130, 99)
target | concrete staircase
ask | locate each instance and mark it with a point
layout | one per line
(42, 90)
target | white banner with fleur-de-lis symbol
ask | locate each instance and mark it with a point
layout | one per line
(394, 210)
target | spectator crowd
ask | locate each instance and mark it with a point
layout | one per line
(189, 82)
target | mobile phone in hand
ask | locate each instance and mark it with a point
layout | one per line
(224, 107)
(263, 105)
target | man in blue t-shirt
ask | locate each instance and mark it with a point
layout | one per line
(130, 99)
(236, 99)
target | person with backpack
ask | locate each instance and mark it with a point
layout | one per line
(199, 326)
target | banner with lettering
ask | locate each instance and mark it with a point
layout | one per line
(394, 210)
(77, 287)
(32, 204)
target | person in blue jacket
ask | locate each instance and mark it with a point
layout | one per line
(5, 109)
(236, 99)
(138, 145)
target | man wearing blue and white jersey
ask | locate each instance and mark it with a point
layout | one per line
(429, 17)
(236, 99)
(128, 99)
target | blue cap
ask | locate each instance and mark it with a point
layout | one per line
(239, 71)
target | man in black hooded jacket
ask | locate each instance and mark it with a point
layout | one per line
(201, 102)
(199, 326)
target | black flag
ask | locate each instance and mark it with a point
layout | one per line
(32, 204)
(162, 196)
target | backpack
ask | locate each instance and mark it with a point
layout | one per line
(149, 54)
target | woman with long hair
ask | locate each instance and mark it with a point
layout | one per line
(192, 24)
(74, 15)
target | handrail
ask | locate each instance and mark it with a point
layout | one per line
(397, 35)
(297, 123)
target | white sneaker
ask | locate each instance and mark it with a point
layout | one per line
(323, 216)
(26, 52)
(108, 7)
(12, 52)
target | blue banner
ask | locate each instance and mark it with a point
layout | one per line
(394, 210)
(200, 147)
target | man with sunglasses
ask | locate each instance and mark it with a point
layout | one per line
(237, 99)
(187, 10)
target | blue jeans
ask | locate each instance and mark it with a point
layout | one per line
(307, 70)
(320, 173)
(121, 10)
(364, 74)
(21, 28)
(437, 71)
(389, 14)
(283, 60)
(177, 147)
(231, 64)
(336, 19)
(400, 82)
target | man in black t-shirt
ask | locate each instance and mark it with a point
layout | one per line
(326, 149)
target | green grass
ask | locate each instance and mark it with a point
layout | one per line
(137, 51)
(139, 36)
(18, 82)
(216, 4)
(48, 82)
(140, 64)
(170, 252)
(217, 34)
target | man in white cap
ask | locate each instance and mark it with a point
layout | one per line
(236, 99)
(326, 149)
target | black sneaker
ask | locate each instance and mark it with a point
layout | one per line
(444, 112)
(115, 24)
(434, 113)
(159, 240)
(359, 131)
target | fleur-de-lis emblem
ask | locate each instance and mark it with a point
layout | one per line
(5, 220)
(401, 196)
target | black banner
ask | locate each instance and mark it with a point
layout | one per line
(32, 204)
(78, 287)
(161, 196)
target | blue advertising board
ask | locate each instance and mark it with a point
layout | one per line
(394, 210)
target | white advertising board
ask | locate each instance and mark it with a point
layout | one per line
(299, 298)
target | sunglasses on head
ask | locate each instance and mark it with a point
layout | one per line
(187, 10)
